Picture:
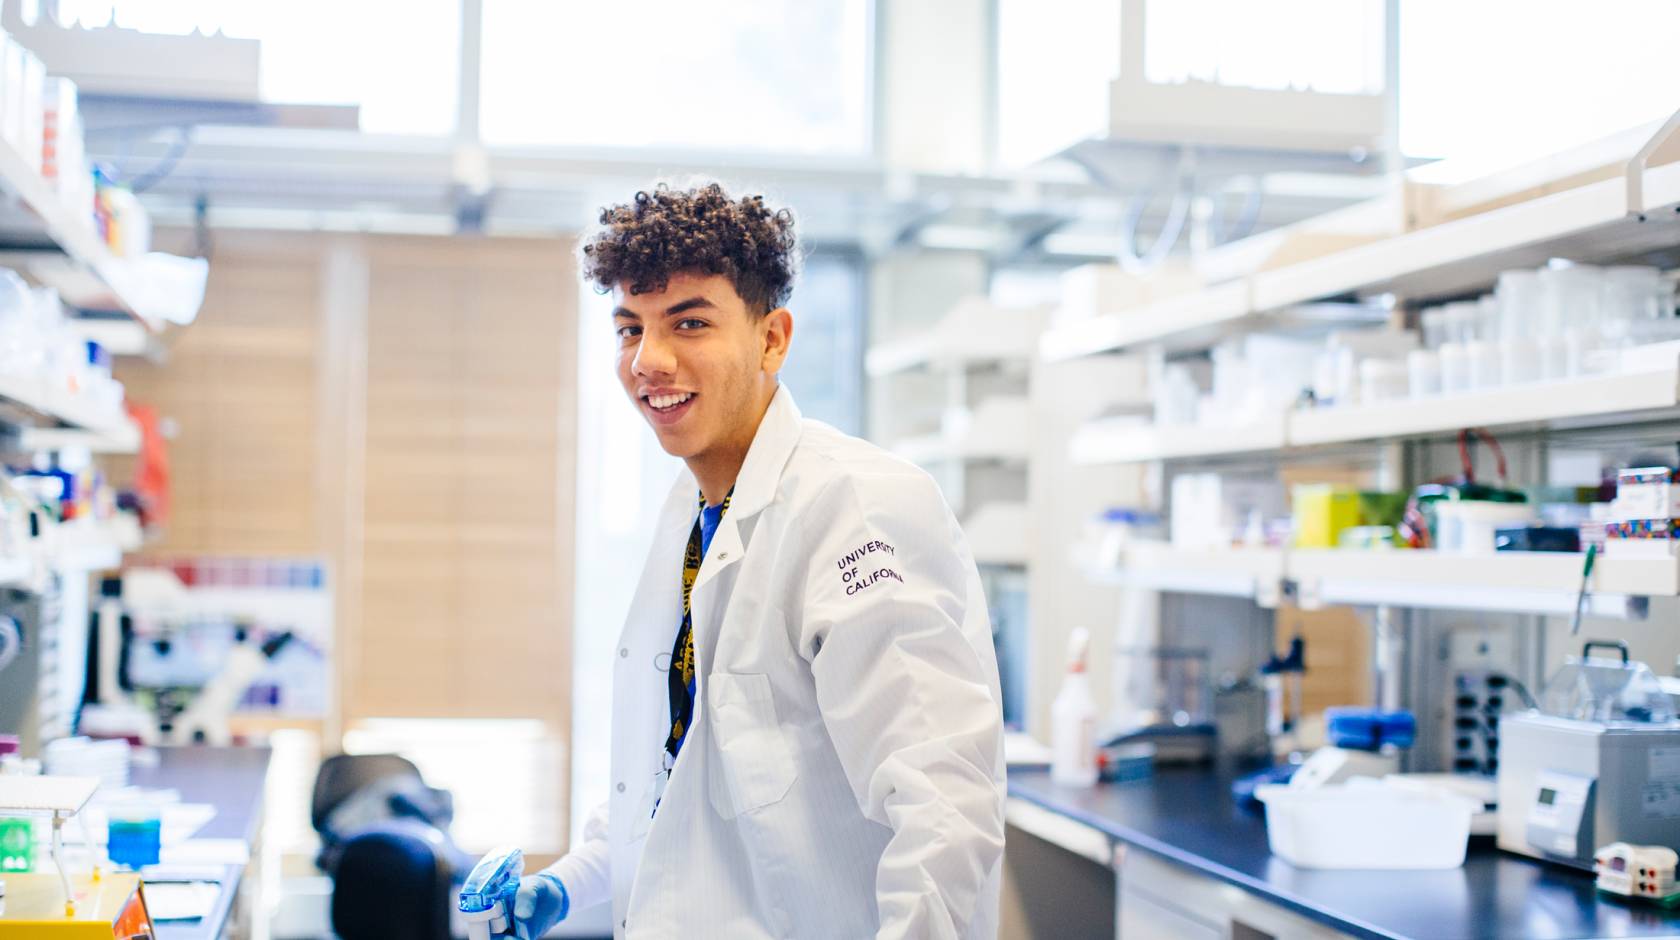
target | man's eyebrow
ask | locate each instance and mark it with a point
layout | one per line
(681, 306)
(692, 303)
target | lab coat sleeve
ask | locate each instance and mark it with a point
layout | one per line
(586, 870)
(907, 698)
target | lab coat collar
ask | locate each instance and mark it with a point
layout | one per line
(755, 486)
(761, 472)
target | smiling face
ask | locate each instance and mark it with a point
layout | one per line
(701, 368)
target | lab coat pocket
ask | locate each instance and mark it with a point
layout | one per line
(754, 760)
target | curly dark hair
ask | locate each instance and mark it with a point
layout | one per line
(699, 230)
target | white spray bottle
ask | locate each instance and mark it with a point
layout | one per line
(1073, 720)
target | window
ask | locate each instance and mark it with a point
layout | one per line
(1055, 60)
(511, 800)
(1505, 81)
(788, 76)
(824, 370)
(1331, 46)
(398, 59)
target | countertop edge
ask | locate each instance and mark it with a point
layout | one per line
(1198, 863)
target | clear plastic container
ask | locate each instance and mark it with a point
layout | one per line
(1423, 373)
(1489, 328)
(1632, 292)
(1367, 824)
(1589, 688)
(1455, 368)
(1382, 380)
(1462, 321)
(1433, 323)
(1519, 297)
(1570, 298)
(19, 340)
(1485, 360)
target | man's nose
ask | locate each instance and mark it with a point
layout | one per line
(653, 357)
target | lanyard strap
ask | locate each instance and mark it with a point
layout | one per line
(680, 679)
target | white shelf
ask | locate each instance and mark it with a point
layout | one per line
(1531, 582)
(1593, 223)
(1255, 573)
(15, 571)
(83, 427)
(939, 448)
(89, 545)
(1589, 223)
(1582, 402)
(1119, 440)
(1587, 402)
(119, 337)
(975, 332)
(997, 430)
(998, 534)
(1517, 582)
(1181, 317)
(121, 439)
(106, 282)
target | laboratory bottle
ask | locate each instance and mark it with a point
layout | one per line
(1073, 720)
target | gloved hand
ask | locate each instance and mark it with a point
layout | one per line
(541, 903)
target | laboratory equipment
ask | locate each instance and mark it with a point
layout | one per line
(1638, 871)
(1471, 526)
(1073, 720)
(1179, 721)
(1598, 762)
(112, 907)
(1369, 824)
(173, 683)
(486, 901)
(60, 799)
(1537, 538)
(1280, 676)
(1364, 742)
(22, 709)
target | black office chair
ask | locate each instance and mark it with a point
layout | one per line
(385, 842)
(394, 881)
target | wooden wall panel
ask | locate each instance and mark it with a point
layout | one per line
(470, 419)
(404, 408)
(241, 383)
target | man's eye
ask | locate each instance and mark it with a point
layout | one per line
(691, 323)
(629, 332)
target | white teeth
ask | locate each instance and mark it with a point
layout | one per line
(668, 401)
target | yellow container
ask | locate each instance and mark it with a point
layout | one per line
(1321, 511)
(111, 908)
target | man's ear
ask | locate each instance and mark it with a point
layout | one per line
(778, 333)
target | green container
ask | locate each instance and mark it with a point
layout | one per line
(17, 845)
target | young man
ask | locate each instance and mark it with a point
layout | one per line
(807, 736)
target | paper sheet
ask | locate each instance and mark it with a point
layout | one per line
(206, 852)
(181, 900)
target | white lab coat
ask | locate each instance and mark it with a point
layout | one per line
(844, 774)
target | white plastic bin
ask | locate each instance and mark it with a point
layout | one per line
(1365, 823)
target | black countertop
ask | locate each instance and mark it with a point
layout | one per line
(230, 779)
(1187, 816)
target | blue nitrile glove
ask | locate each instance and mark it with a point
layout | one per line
(541, 903)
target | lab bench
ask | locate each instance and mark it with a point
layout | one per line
(1189, 862)
(232, 779)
